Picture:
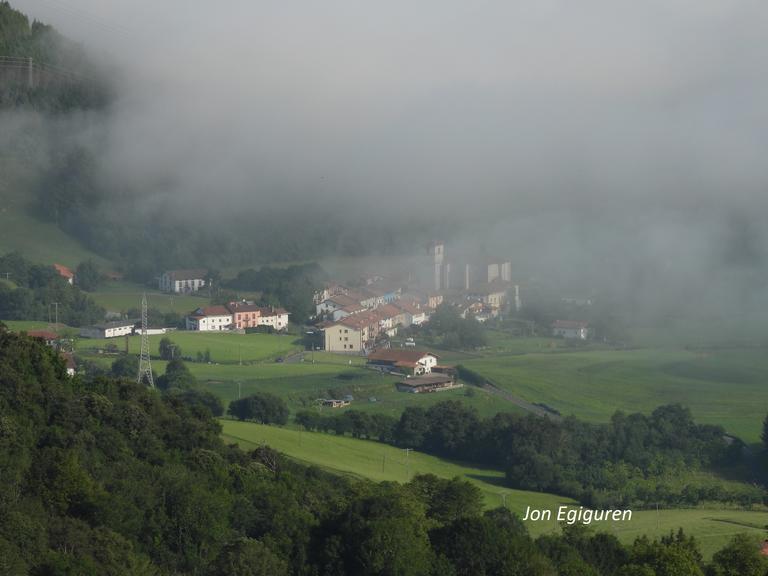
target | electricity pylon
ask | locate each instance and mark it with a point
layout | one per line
(145, 368)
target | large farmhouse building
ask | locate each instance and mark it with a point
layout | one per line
(570, 329)
(183, 281)
(109, 329)
(410, 362)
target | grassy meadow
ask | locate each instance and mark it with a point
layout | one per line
(378, 462)
(224, 347)
(723, 387)
(20, 230)
(122, 296)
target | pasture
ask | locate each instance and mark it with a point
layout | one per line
(123, 296)
(37, 240)
(224, 347)
(378, 462)
(725, 387)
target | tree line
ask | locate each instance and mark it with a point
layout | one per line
(33, 289)
(626, 462)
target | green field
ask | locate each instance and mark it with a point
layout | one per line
(20, 230)
(302, 383)
(123, 296)
(378, 462)
(725, 387)
(224, 347)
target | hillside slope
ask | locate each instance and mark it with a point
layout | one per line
(39, 241)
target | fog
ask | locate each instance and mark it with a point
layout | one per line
(603, 143)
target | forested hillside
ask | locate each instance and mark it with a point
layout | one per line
(42, 69)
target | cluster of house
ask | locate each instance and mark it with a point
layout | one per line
(237, 316)
(354, 320)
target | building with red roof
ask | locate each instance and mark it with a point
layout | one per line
(65, 273)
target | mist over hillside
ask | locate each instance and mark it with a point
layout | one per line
(609, 148)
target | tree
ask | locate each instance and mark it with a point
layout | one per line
(248, 557)
(765, 432)
(168, 349)
(126, 366)
(447, 500)
(380, 535)
(263, 407)
(413, 425)
(87, 276)
(177, 375)
(741, 557)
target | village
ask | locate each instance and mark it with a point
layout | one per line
(373, 316)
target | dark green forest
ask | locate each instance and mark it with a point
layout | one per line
(627, 462)
(103, 476)
(62, 77)
(37, 288)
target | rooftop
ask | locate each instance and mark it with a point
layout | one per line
(190, 274)
(398, 356)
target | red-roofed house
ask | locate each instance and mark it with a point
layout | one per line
(404, 361)
(65, 273)
(210, 319)
(45, 335)
(244, 315)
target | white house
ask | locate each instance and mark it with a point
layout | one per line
(277, 318)
(210, 319)
(570, 329)
(109, 329)
(183, 281)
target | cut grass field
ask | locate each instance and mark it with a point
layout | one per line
(224, 347)
(379, 462)
(39, 241)
(725, 387)
(300, 385)
(123, 296)
(375, 461)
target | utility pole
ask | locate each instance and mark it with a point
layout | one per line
(408, 461)
(56, 305)
(7, 274)
(238, 389)
(30, 73)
